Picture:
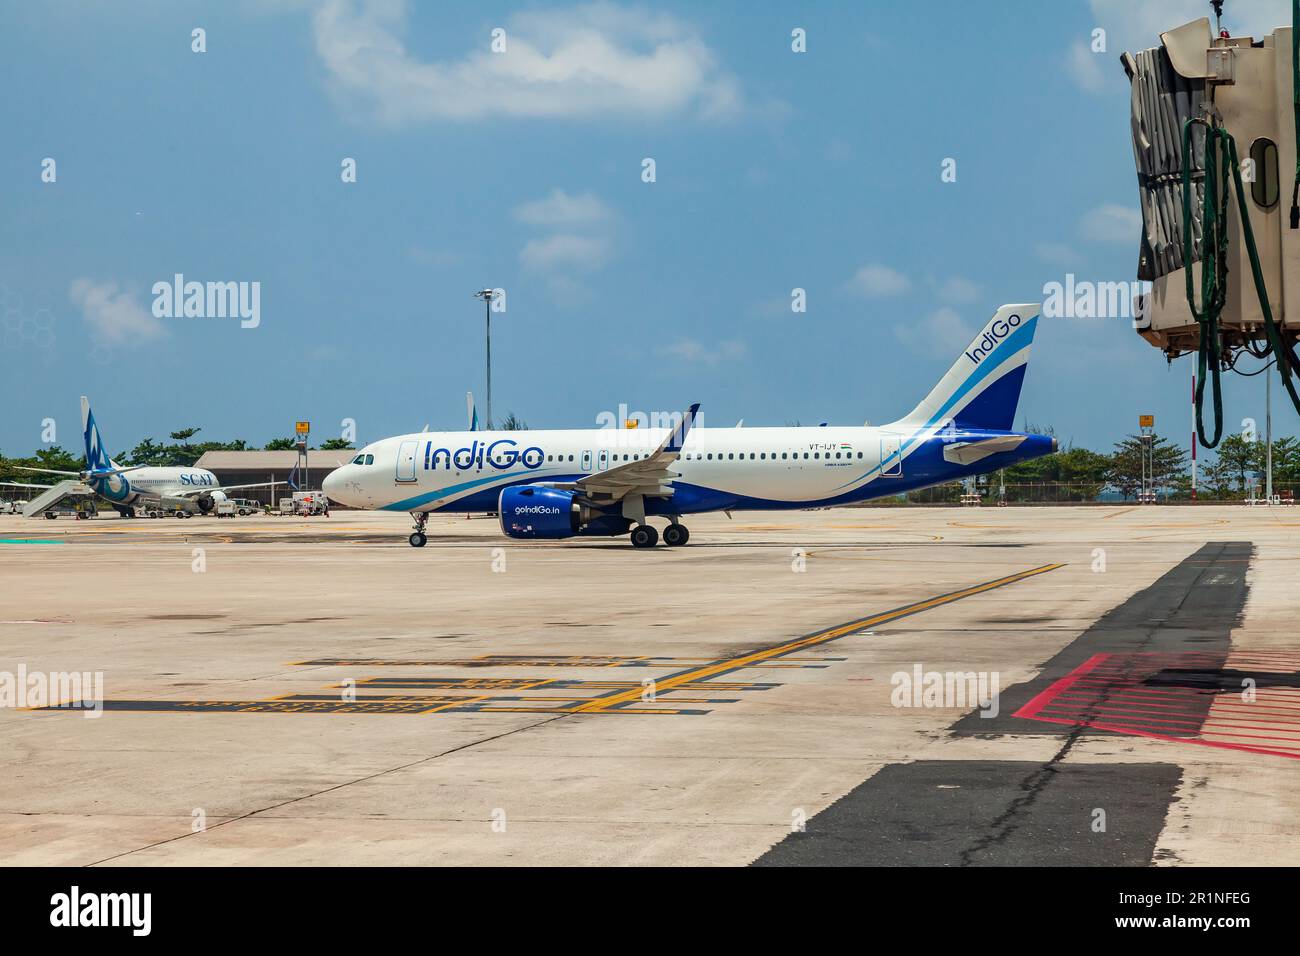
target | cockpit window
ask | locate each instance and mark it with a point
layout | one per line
(364, 460)
(370, 459)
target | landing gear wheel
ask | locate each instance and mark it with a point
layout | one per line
(418, 538)
(676, 535)
(644, 536)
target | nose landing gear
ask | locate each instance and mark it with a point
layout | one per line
(418, 537)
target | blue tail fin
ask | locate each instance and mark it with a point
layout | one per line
(982, 389)
(96, 458)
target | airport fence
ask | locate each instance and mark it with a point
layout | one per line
(1064, 493)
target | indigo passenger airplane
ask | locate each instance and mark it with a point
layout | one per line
(559, 484)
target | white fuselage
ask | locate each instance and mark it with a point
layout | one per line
(766, 467)
(160, 484)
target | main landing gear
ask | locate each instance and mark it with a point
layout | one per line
(645, 536)
(418, 537)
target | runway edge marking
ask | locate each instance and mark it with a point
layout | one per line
(599, 704)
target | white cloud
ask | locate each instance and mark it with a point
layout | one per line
(564, 251)
(1089, 69)
(958, 290)
(594, 60)
(944, 325)
(1112, 222)
(692, 350)
(115, 318)
(577, 240)
(1056, 253)
(1132, 25)
(560, 210)
(875, 280)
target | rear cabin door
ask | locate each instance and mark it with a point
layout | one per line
(891, 460)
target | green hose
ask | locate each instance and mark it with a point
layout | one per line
(1220, 159)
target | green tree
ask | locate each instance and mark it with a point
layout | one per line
(513, 423)
(1216, 478)
(1241, 455)
(53, 457)
(1073, 474)
(1168, 464)
(331, 444)
(1286, 459)
(280, 444)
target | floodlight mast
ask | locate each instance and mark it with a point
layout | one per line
(488, 296)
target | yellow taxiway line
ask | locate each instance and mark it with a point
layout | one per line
(599, 704)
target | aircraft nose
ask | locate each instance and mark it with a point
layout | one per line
(333, 485)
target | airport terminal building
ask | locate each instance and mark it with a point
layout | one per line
(246, 467)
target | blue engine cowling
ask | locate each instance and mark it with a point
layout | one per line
(532, 511)
(535, 511)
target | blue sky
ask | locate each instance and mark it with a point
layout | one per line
(523, 170)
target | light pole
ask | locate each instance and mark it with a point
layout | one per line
(1268, 438)
(487, 295)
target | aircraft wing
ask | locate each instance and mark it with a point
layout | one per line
(47, 471)
(83, 475)
(192, 492)
(19, 484)
(649, 476)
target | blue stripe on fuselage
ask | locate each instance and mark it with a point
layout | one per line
(924, 467)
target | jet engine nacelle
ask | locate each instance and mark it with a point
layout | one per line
(209, 501)
(532, 511)
(537, 511)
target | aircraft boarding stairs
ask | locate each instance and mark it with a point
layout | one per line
(48, 499)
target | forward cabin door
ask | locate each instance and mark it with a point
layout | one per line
(406, 461)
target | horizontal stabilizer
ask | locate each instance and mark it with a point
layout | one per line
(969, 452)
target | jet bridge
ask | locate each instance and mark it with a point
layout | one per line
(1246, 85)
(1216, 132)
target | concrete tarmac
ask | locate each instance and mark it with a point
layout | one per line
(315, 691)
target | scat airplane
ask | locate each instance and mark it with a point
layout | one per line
(173, 487)
(558, 484)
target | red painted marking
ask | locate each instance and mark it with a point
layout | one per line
(1106, 692)
(1032, 708)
